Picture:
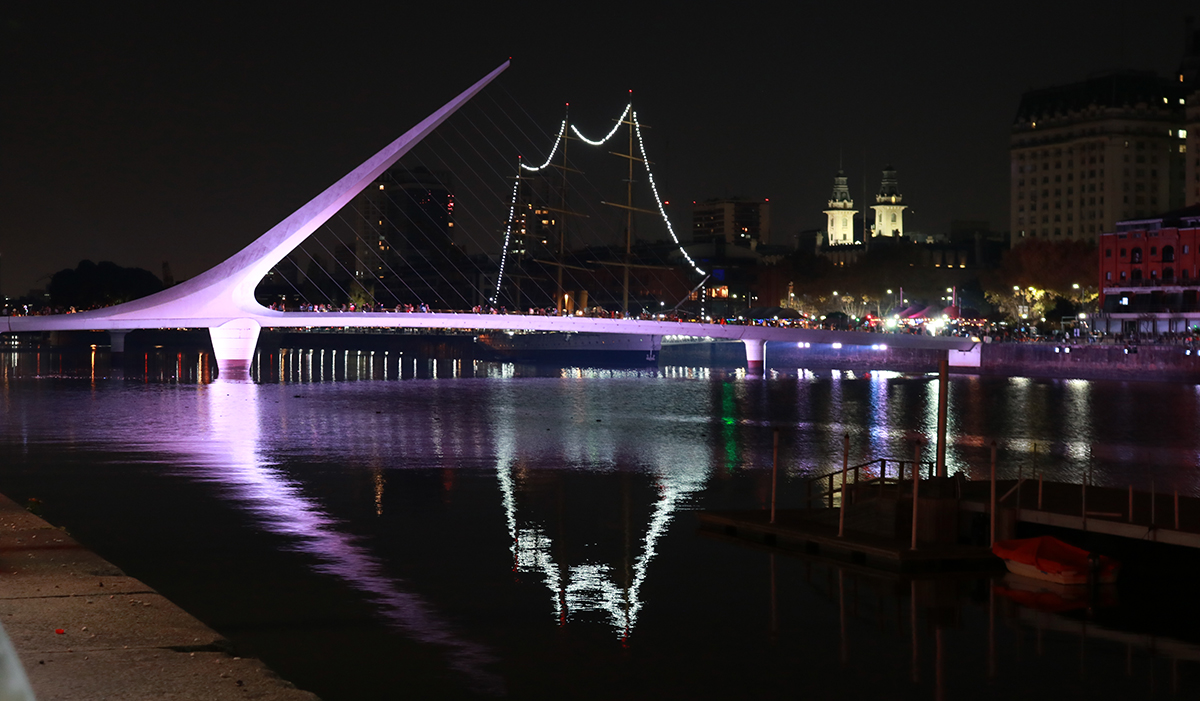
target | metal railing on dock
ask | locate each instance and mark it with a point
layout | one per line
(873, 473)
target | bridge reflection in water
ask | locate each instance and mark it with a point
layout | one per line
(428, 498)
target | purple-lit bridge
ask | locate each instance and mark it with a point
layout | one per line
(222, 298)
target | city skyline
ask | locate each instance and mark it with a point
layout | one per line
(140, 139)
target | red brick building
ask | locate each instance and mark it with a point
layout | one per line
(1150, 274)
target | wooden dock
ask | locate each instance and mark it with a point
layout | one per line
(799, 530)
(953, 515)
(1162, 517)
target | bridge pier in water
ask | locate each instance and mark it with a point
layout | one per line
(756, 354)
(233, 348)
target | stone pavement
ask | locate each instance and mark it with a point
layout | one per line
(85, 630)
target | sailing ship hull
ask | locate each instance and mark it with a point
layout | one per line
(624, 350)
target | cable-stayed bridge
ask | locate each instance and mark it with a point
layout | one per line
(222, 299)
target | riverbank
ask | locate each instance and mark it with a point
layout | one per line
(85, 630)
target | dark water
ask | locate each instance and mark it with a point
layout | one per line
(492, 530)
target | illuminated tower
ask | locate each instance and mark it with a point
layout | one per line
(889, 213)
(840, 229)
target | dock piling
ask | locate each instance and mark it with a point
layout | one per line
(916, 488)
(992, 509)
(943, 392)
(845, 462)
(774, 473)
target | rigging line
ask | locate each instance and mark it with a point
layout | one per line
(362, 263)
(587, 201)
(512, 209)
(289, 282)
(610, 134)
(657, 199)
(476, 220)
(445, 252)
(572, 275)
(483, 202)
(384, 261)
(536, 123)
(504, 132)
(557, 140)
(352, 275)
(327, 273)
(310, 281)
(430, 241)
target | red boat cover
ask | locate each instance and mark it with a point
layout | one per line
(1050, 555)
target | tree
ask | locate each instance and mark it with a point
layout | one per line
(1033, 276)
(90, 285)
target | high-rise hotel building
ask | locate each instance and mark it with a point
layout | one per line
(1087, 155)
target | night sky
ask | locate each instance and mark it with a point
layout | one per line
(146, 135)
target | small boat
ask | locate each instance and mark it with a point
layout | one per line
(1051, 560)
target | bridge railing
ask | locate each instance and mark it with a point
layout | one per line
(831, 485)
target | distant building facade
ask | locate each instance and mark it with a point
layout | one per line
(737, 222)
(1087, 155)
(405, 212)
(1150, 274)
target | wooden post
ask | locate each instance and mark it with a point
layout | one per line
(1084, 508)
(992, 510)
(882, 474)
(774, 472)
(1020, 476)
(845, 462)
(916, 477)
(943, 391)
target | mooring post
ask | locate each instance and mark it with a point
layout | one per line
(916, 477)
(845, 462)
(943, 391)
(774, 472)
(992, 510)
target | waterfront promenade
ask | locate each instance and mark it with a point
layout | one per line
(85, 630)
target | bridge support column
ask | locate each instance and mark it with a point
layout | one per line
(116, 342)
(233, 346)
(756, 354)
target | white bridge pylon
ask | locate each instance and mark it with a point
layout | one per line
(221, 299)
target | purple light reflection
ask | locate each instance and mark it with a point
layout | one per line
(226, 452)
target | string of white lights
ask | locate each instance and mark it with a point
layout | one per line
(512, 210)
(558, 140)
(658, 200)
(609, 135)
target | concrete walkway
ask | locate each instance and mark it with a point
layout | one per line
(85, 630)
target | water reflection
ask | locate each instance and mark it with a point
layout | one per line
(226, 451)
